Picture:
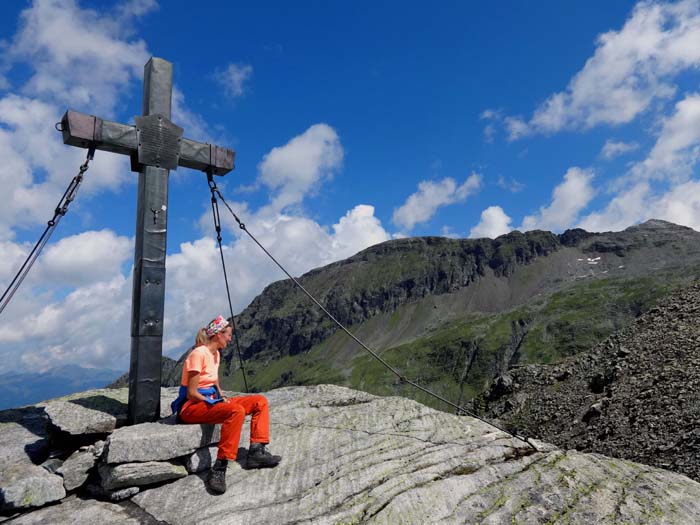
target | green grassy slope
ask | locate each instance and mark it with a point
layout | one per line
(459, 357)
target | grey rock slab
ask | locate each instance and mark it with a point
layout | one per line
(98, 411)
(361, 459)
(24, 485)
(138, 474)
(90, 415)
(167, 396)
(76, 468)
(158, 441)
(74, 511)
(23, 435)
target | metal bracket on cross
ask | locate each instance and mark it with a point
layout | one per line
(153, 141)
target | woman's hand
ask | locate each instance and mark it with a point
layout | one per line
(218, 389)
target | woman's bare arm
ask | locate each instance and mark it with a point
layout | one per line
(192, 386)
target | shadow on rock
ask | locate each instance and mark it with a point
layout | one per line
(104, 404)
(34, 420)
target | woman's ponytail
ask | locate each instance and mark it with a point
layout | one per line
(201, 338)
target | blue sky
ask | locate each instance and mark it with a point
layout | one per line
(353, 123)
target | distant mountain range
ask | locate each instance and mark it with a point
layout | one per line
(454, 314)
(18, 389)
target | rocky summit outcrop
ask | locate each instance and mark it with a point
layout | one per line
(634, 396)
(348, 457)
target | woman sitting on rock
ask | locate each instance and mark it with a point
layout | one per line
(201, 401)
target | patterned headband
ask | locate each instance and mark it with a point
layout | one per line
(216, 326)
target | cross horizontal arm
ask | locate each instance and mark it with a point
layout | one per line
(87, 131)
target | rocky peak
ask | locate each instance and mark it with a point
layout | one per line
(348, 457)
(657, 224)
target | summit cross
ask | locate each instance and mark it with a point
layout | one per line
(155, 146)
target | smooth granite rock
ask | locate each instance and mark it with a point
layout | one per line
(97, 411)
(158, 441)
(75, 511)
(138, 474)
(350, 457)
(23, 436)
(24, 485)
(77, 419)
(353, 458)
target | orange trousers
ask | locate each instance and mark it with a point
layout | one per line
(231, 413)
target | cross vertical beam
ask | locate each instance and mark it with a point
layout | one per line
(155, 146)
(148, 298)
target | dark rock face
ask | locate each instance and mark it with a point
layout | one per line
(281, 321)
(653, 233)
(574, 237)
(635, 396)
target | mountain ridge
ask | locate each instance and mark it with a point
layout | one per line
(418, 285)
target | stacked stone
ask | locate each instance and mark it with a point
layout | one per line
(82, 446)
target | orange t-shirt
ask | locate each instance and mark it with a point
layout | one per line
(203, 361)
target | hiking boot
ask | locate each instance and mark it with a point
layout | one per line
(216, 481)
(259, 457)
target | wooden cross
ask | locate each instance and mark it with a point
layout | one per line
(155, 146)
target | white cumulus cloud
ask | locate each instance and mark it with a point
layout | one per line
(494, 222)
(234, 77)
(78, 55)
(678, 203)
(629, 69)
(569, 198)
(431, 195)
(623, 210)
(612, 149)
(295, 169)
(89, 326)
(91, 256)
(677, 149)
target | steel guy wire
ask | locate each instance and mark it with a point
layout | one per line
(61, 209)
(217, 226)
(401, 377)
